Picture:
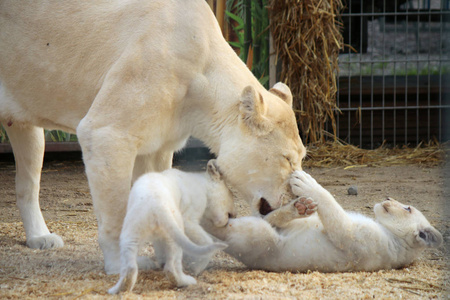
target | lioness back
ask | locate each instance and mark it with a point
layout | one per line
(74, 46)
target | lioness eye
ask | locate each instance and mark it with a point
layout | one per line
(408, 209)
(288, 159)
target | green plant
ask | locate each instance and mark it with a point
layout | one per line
(50, 136)
(252, 31)
(3, 136)
(59, 136)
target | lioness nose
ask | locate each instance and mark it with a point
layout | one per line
(264, 207)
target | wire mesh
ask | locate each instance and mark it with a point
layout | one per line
(394, 72)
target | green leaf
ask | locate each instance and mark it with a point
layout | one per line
(235, 18)
(264, 80)
(235, 44)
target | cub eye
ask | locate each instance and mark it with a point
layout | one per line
(408, 209)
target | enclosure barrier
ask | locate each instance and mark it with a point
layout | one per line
(394, 72)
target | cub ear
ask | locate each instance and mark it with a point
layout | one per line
(253, 109)
(213, 170)
(430, 236)
(283, 92)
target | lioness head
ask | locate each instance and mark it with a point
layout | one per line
(220, 204)
(408, 223)
(260, 153)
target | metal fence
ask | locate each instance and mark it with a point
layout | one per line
(394, 72)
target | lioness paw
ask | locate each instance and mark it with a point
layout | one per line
(45, 242)
(305, 206)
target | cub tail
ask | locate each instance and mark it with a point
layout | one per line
(190, 247)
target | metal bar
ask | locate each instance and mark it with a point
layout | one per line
(440, 78)
(383, 120)
(395, 14)
(349, 68)
(412, 107)
(406, 77)
(371, 78)
(395, 76)
(417, 78)
(400, 60)
(361, 21)
(429, 87)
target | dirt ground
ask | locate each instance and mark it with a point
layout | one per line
(76, 270)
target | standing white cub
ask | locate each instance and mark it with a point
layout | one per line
(162, 207)
(332, 240)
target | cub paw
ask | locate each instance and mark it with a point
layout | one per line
(126, 282)
(303, 184)
(180, 279)
(145, 263)
(305, 206)
(186, 280)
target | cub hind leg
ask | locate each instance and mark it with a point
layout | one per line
(173, 266)
(129, 268)
(136, 229)
(28, 145)
(196, 264)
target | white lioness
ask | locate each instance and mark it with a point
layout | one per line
(160, 208)
(134, 79)
(331, 240)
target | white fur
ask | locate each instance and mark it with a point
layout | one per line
(134, 79)
(160, 208)
(331, 240)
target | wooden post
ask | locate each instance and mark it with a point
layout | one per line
(272, 62)
(211, 4)
(220, 13)
(247, 27)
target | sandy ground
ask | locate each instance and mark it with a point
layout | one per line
(76, 270)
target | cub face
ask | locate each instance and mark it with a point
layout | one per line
(408, 223)
(265, 148)
(220, 204)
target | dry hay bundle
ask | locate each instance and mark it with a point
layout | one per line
(307, 39)
(340, 154)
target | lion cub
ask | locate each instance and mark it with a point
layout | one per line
(162, 207)
(332, 240)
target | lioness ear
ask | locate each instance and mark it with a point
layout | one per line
(283, 92)
(253, 109)
(213, 170)
(430, 236)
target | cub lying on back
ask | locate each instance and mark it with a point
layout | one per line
(331, 240)
(160, 206)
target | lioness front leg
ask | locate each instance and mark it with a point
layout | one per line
(28, 147)
(298, 208)
(109, 157)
